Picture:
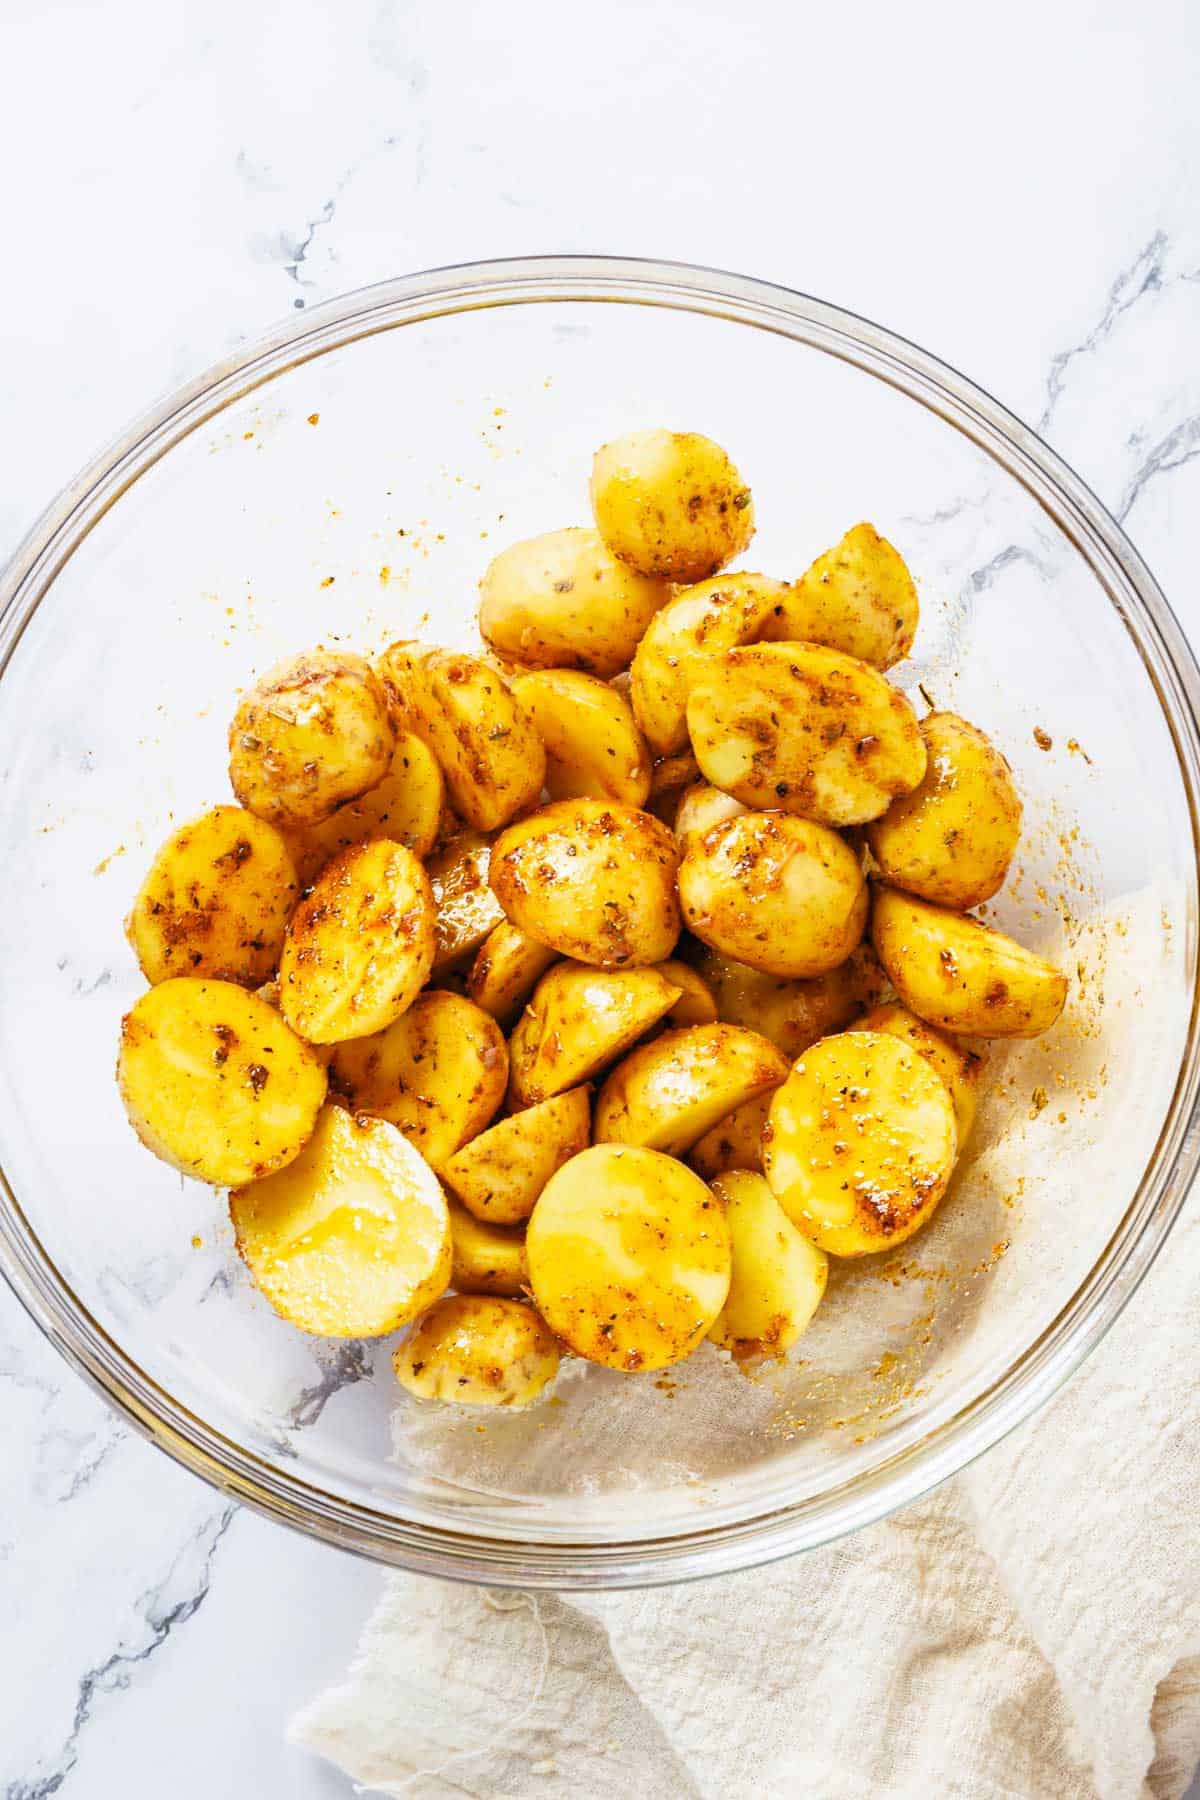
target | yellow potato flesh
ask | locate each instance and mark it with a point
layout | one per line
(735, 1142)
(580, 1019)
(671, 503)
(404, 807)
(506, 970)
(793, 1014)
(488, 1258)
(563, 601)
(668, 1093)
(499, 1174)
(961, 1069)
(858, 598)
(779, 1275)
(593, 746)
(467, 910)
(313, 733)
(700, 808)
(695, 1005)
(491, 756)
(680, 644)
(477, 1351)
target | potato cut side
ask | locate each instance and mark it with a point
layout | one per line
(668, 1093)
(313, 733)
(216, 901)
(860, 1143)
(506, 970)
(404, 807)
(960, 1068)
(680, 643)
(467, 909)
(579, 1020)
(563, 601)
(793, 1014)
(779, 1275)
(629, 1257)
(499, 1174)
(736, 1142)
(353, 1238)
(593, 746)
(858, 598)
(700, 808)
(671, 503)
(477, 1351)
(215, 1083)
(488, 1258)
(695, 1005)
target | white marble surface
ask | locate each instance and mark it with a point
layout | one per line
(1018, 190)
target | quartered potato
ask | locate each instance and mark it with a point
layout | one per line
(779, 1275)
(668, 1093)
(680, 643)
(961, 1069)
(405, 807)
(952, 838)
(860, 1142)
(793, 1014)
(958, 974)
(805, 730)
(695, 1005)
(488, 1258)
(215, 1083)
(499, 1175)
(507, 969)
(439, 1073)
(216, 901)
(359, 947)
(700, 808)
(858, 598)
(579, 1020)
(671, 503)
(734, 1143)
(311, 734)
(467, 910)
(593, 746)
(478, 1351)
(779, 893)
(563, 601)
(629, 1257)
(592, 879)
(353, 1238)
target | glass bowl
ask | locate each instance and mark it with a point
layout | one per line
(349, 477)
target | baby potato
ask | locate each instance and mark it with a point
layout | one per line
(507, 969)
(593, 746)
(779, 893)
(695, 1005)
(959, 1068)
(500, 1174)
(735, 1142)
(801, 729)
(478, 1351)
(700, 808)
(958, 974)
(779, 1275)
(952, 838)
(578, 1020)
(671, 774)
(405, 807)
(858, 598)
(214, 1082)
(353, 1238)
(860, 1142)
(671, 503)
(592, 879)
(668, 1093)
(680, 643)
(216, 901)
(359, 948)
(467, 910)
(563, 601)
(488, 1258)
(311, 734)
(793, 1014)
(628, 1256)
(438, 1073)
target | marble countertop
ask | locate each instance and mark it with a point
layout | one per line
(1021, 197)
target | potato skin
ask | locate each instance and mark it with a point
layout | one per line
(499, 1175)
(779, 893)
(216, 900)
(700, 808)
(671, 503)
(405, 806)
(952, 838)
(802, 729)
(563, 601)
(506, 970)
(593, 745)
(734, 1142)
(467, 911)
(695, 1005)
(793, 1014)
(960, 1068)
(310, 734)
(779, 1275)
(858, 598)
(959, 975)
(591, 879)
(579, 1019)
(667, 1094)
(474, 1350)
(681, 641)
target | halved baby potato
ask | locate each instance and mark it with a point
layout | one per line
(578, 1020)
(695, 1005)
(801, 729)
(668, 1093)
(216, 901)
(735, 1142)
(961, 1069)
(860, 1142)
(680, 643)
(215, 1083)
(593, 745)
(671, 503)
(311, 734)
(793, 1014)
(405, 807)
(499, 1174)
(488, 1258)
(779, 1275)
(478, 1351)
(960, 975)
(467, 910)
(563, 601)
(700, 808)
(507, 969)
(438, 1073)
(629, 1257)
(353, 1238)
(858, 598)
(359, 947)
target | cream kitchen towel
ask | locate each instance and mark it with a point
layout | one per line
(1031, 1631)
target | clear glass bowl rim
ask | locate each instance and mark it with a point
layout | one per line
(960, 1432)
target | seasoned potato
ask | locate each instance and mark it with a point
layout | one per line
(805, 730)
(500, 1174)
(735, 1142)
(695, 1005)
(406, 807)
(958, 974)
(507, 969)
(668, 1093)
(680, 643)
(214, 1082)
(216, 901)
(467, 910)
(700, 808)
(579, 1019)
(779, 893)
(311, 734)
(592, 879)
(439, 1073)
(593, 746)
(488, 1258)
(562, 601)
(952, 838)
(353, 1238)
(628, 1256)
(858, 598)
(359, 948)
(478, 1351)
(793, 1014)
(860, 1142)
(671, 503)
(961, 1069)
(779, 1275)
